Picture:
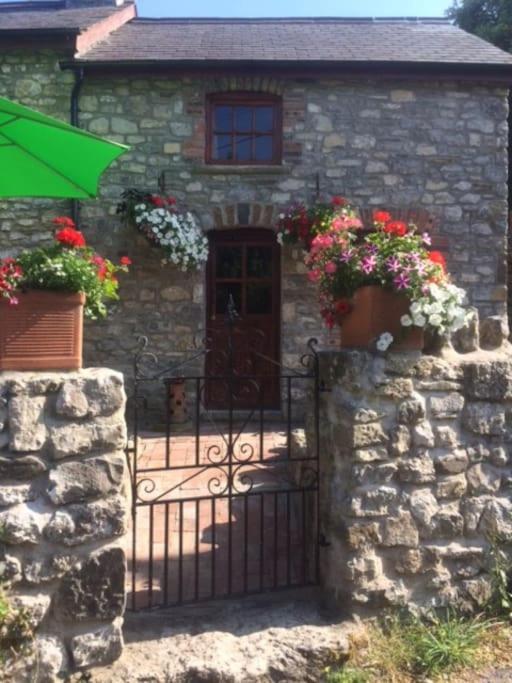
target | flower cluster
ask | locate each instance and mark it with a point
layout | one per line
(10, 275)
(342, 259)
(68, 265)
(177, 233)
(300, 224)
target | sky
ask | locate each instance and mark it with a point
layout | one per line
(295, 8)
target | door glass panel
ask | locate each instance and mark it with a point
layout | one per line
(263, 148)
(222, 294)
(223, 147)
(259, 261)
(243, 119)
(243, 147)
(223, 119)
(259, 299)
(264, 119)
(229, 262)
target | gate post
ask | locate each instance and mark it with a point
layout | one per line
(63, 515)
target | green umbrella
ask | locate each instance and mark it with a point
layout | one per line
(43, 157)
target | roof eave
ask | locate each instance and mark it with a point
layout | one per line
(497, 72)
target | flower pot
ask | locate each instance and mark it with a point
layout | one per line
(376, 310)
(42, 332)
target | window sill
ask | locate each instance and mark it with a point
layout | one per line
(255, 170)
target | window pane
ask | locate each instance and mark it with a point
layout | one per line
(264, 119)
(263, 148)
(222, 147)
(223, 119)
(229, 262)
(243, 147)
(259, 299)
(259, 261)
(243, 119)
(222, 294)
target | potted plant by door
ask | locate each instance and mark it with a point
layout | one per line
(383, 287)
(44, 294)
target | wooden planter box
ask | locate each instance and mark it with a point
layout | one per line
(376, 310)
(43, 332)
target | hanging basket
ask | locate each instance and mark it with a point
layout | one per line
(44, 331)
(376, 310)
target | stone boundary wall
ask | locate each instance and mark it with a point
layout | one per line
(63, 514)
(416, 476)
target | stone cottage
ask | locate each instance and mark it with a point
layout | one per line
(407, 114)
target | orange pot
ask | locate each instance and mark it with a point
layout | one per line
(376, 310)
(43, 331)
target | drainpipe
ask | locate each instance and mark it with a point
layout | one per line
(74, 119)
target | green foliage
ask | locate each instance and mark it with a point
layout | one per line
(488, 19)
(500, 604)
(71, 270)
(16, 633)
(347, 675)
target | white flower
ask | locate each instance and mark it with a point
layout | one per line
(406, 320)
(435, 320)
(419, 320)
(384, 341)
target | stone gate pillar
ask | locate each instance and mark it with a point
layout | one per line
(416, 477)
(64, 503)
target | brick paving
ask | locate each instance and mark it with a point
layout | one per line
(185, 547)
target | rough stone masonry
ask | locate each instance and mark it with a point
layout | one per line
(63, 514)
(416, 476)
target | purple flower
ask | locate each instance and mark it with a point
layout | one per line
(346, 256)
(393, 264)
(368, 264)
(426, 239)
(372, 249)
(402, 281)
(421, 268)
(415, 257)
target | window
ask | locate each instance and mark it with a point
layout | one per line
(244, 128)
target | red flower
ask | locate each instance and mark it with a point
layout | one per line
(157, 201)
(396, 228)
(70, 237)
(343, 307)
(171, 201)
(381, 217)
(339, 201)
(64, 222)
(125, 261)
(437, 258)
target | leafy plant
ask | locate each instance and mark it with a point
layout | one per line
(16, 633)
(500, 603)
(68, 265)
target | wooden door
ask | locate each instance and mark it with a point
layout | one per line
(244, 267)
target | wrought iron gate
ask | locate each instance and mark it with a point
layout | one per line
(225, 503)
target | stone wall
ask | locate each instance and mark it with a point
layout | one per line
(63, 514)
(416, 476)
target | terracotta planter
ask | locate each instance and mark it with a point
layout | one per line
(43, 332)
(376, 310)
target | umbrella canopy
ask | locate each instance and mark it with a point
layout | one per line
(43, 157)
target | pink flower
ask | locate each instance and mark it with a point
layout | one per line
(393, 264)
(368, 264)
(314, 275)
(402, 281)
(426, 239)
(13, 301)
(330, 267)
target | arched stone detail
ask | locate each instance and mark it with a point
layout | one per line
(264, 84)
(253, 214)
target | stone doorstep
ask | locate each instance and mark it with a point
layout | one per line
(245, 640)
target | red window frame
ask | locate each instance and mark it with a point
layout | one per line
(247, 100)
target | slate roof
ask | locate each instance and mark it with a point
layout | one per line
(51, 16)
(295, 40)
